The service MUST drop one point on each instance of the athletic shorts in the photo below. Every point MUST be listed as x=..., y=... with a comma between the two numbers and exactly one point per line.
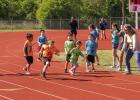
x=74, y=32
x=68, y=57
x=115, y=45
x=90, y=58
x=46, y=60
x=29, y=59
x=102, y=28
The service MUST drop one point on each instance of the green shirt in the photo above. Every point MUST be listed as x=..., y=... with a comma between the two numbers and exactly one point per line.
x=69, y=44
x=75, y=53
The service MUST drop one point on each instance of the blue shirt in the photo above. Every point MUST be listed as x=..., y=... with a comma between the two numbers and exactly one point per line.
x=91, y=47
x=94, y=34
x=42, y=40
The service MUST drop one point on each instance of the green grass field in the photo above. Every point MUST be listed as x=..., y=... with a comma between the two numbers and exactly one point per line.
x=105, y=57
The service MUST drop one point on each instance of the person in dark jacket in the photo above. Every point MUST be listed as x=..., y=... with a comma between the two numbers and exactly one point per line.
x=73, y=27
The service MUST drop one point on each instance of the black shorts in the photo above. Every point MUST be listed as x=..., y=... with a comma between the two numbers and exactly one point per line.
x=68, y=57
x=74, y=32
x=29, y=59
x=90, y=58
x=45, y=59
x=102, y=28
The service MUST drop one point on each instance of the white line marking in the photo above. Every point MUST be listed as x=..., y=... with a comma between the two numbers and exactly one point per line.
x=58, y=97
x=92, y=92
x=123, y=83
x=25, y=87
x=6, y=97
x=98, y=83
x=10, y=90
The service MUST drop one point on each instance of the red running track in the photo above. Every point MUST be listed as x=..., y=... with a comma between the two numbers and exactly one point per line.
x=100, y=85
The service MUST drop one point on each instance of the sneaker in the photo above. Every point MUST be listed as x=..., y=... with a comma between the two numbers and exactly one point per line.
x=27, y=73
x=119, y=69
x=71, y=72
x=43, y=74
x=65, y=71
x=113, y=66
x=128, y=73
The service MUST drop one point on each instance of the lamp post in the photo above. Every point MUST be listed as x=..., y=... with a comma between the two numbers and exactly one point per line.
x=123, y=15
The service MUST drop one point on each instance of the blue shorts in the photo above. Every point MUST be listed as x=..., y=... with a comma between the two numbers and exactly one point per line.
x=115, y=45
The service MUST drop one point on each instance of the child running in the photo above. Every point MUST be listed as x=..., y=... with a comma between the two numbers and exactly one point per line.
x=48, y=50
x=42, y=39
x=69, y=45
x=28, y=52
x=91, y=47
x=94, y=33
x=75, y=53
x=115, y=43
x=121, y=36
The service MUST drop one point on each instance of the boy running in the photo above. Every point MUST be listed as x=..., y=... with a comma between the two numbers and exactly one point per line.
x=69, y=44
x=28, y=52
x=42, y=39
x=48, y=50
x=75, y=53
x=91, y=47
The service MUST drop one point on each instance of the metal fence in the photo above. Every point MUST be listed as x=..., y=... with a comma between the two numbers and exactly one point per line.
x=58, y=23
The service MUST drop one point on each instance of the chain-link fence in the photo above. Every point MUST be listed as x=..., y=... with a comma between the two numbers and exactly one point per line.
x=59, y=23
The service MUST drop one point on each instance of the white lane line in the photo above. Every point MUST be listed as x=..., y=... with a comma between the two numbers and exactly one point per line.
x=132, y=90
x=25, y=87
x=11, y=89
x=7, y=98
x=71, y=87
x=123, y=83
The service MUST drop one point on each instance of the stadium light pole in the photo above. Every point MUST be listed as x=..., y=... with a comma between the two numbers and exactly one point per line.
x=123, y=15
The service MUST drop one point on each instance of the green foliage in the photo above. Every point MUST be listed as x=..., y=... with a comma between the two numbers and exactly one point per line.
x=45, y=9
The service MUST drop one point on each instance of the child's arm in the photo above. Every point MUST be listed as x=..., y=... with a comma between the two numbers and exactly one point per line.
x=25, y=49
x=56, y=51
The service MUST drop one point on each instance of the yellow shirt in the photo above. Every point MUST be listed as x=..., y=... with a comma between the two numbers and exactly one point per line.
x=28, y=48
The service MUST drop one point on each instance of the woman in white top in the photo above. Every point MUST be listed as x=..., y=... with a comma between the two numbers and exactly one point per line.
x=132, y=43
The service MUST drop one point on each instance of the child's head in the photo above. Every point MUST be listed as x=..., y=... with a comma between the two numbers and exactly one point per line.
x=73, y=18
x=78, y=44
x=91, y=27
x=114, y=26
x=70, y=37
x=90, y=37
x=42, y=32
x=29, y=36
x=51, y=43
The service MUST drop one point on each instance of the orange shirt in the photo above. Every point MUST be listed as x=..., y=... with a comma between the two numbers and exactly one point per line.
x=28, y=48
x=49, y=51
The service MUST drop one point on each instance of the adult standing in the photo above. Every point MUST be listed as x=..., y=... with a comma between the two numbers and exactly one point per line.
x=73, y=27
x=131, y=39
x=103, y=25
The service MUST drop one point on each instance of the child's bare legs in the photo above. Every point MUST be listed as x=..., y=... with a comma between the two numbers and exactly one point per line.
x=66, y=66
x=73, y=69
x=43, y=72
x=120, y=61
x=97, y=59
x=92, y=64
x=115, y=56
x=104, y=35
x=87, y=66
x=39, y=57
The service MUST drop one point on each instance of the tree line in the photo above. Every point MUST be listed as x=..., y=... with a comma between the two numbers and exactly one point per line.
x=54, y=9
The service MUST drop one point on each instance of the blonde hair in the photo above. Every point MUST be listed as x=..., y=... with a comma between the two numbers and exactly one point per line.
x=50, y=42
x=129, y=28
